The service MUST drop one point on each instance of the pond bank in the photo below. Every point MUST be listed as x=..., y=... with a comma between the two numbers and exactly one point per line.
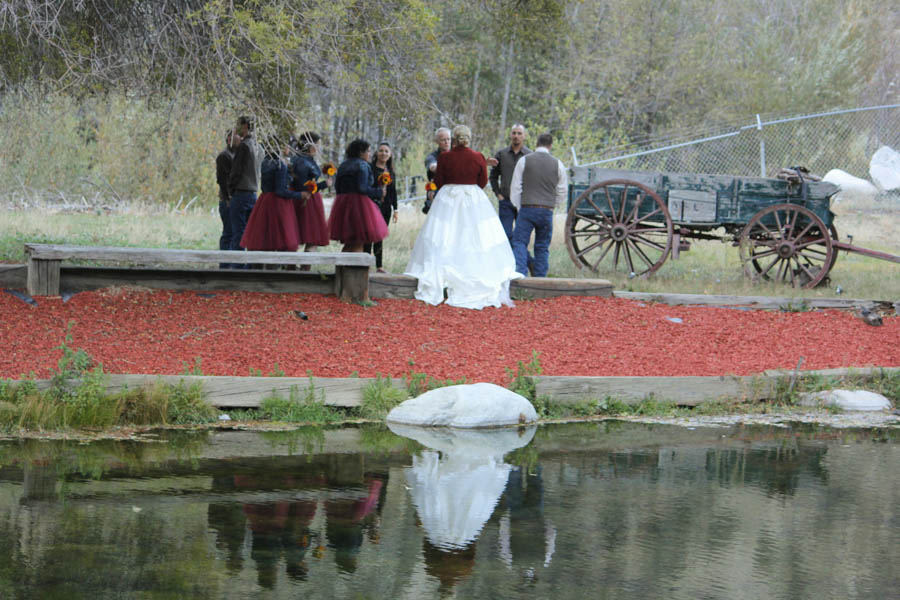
x=248, y=392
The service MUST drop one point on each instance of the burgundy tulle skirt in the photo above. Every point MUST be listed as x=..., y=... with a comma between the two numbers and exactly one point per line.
x=272, y=225
x=355, y=219
x=311, y=221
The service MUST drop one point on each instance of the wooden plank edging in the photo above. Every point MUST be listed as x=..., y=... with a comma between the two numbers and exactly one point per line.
x=247, y=392
x=684, y=390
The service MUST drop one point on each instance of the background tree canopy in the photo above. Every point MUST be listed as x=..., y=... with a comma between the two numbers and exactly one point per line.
x=594, y=72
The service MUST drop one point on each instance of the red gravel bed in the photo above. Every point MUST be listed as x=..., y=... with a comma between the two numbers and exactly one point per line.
x=164, y=332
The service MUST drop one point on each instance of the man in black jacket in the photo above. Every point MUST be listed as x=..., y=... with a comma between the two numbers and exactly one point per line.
x=244, y=180
x=223, y=173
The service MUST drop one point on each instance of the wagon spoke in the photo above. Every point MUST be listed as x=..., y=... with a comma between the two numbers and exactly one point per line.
x=646, y=217
x=624, y=201
x=778, y=223
x=602, y=255
x=591, y=247
x=805, y=229
x=628, y=255
x=781, y=270
x=588, y=233
x=789, y=223
x=771, y=264
x=809, y=273
x=590, y=219
x=641, y=253
x=612, y=211
x=597, y=208
x=757, y=255
x=616, y=254
x=656, y=245
x=632, y=216
x=806, y=245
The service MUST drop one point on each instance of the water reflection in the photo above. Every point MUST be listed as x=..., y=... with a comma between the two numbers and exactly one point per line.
x=455, y=486
x=346, y=495
x=622, y=510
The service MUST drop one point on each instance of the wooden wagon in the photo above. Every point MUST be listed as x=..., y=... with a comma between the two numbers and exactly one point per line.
x=632, y=221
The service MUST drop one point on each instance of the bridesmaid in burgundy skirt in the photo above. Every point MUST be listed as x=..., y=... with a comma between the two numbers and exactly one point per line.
x=310, y=211
x=273, y=224
x=355, y=220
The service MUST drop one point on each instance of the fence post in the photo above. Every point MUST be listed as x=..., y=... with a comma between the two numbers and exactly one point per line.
x=762, y=148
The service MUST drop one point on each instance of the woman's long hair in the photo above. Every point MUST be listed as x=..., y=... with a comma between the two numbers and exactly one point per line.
x=390, y=162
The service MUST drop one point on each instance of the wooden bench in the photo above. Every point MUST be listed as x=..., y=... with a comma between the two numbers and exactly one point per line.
x=351, y=281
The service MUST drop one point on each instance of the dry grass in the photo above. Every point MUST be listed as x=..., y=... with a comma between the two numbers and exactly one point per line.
x=710, y=267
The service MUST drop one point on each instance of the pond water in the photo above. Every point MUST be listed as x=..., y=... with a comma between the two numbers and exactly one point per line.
x=604, y=510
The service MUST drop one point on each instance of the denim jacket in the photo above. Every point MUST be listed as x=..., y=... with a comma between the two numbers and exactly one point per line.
x=275, y=179
x=303, y=169
x=355, y=176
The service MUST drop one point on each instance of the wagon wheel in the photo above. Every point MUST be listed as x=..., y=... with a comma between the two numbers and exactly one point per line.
x=637, y=238
x=787, y=243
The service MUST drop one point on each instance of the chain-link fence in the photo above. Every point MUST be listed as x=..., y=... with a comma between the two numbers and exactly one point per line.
x=844, y=139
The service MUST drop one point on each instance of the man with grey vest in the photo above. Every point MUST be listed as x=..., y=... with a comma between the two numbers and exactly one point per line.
x=244, y=180
x=539, y=183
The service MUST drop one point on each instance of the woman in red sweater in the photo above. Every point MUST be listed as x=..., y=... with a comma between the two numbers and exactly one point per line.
x=462, y=246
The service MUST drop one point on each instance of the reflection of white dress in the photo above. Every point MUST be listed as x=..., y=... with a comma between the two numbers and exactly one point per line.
x=456, y=489
x=462, y=247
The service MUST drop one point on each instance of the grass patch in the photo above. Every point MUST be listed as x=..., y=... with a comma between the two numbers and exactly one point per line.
x=379, y=397
x=307, y=406
x=76, y=397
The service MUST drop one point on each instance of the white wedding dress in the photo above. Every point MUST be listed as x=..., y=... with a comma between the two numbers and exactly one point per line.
x=462, y=247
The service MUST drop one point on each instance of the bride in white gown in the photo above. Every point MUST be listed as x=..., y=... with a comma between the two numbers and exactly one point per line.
x=462, y=246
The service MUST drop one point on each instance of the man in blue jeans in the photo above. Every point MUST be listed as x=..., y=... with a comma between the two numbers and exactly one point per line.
x=502, y=165
x=539, y=183
x=244, y=181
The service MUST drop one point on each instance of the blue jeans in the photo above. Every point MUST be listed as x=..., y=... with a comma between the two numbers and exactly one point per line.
x=239, y=213
x=225, y=238
x=541, y=221
x=507, y=213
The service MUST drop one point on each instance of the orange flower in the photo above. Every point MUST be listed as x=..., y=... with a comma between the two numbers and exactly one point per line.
x=385, y=178
x=311, y=186
x=329, y=170
x=430, y=186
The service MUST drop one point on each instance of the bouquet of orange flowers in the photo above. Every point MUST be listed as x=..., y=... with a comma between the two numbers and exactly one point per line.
x=385, y=178
x=311, y=187
x=430, y=186
x=329, y=170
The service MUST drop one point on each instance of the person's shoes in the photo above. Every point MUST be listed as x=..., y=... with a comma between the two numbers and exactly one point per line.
x=380, y=270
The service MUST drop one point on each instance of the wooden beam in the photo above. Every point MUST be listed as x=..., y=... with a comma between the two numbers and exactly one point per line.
x=249, y=392
x=170, y=255
x=684, y=391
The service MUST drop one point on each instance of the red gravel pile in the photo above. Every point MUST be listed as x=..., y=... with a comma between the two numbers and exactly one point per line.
x=164, y=332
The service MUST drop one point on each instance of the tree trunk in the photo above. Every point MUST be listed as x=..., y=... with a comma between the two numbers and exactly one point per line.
x=506, y=85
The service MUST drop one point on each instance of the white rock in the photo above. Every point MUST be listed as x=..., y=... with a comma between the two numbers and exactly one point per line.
x=850, y=186
x=847, y=400
x=472, y=405
x=884, y=168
